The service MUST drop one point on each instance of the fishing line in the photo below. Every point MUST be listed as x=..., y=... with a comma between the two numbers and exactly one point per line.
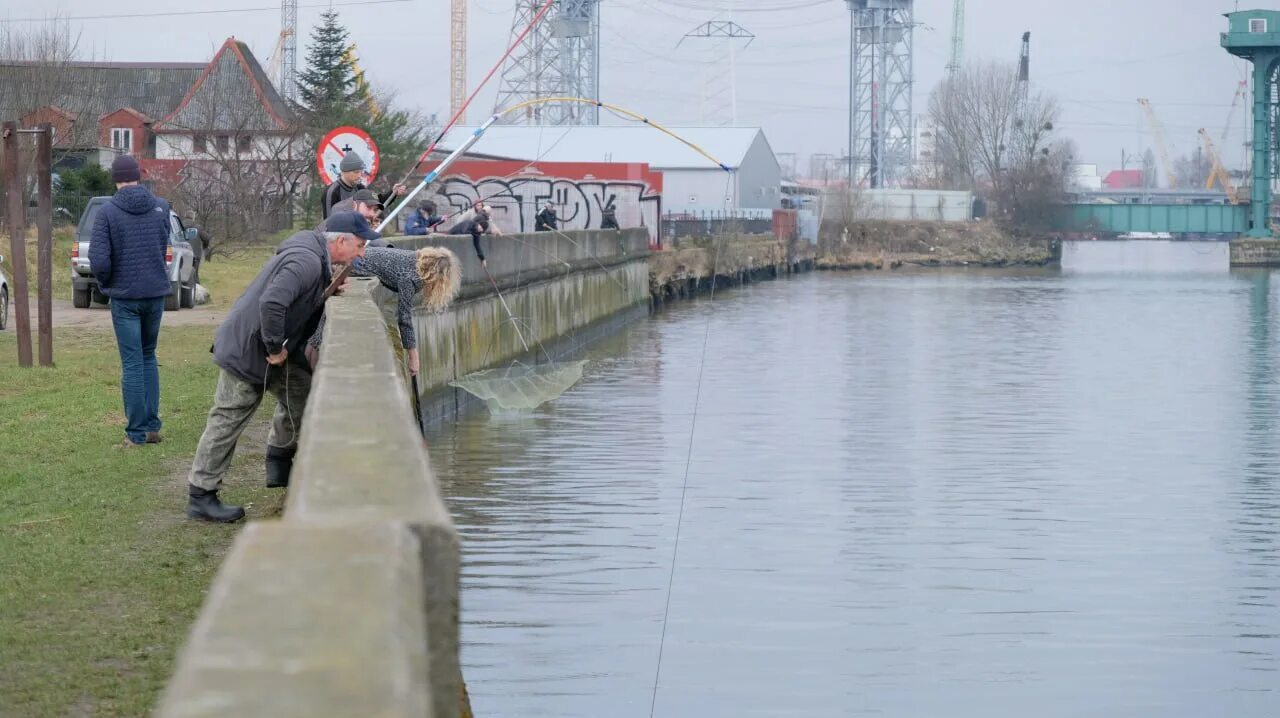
x=546, y=6
x=688, y=460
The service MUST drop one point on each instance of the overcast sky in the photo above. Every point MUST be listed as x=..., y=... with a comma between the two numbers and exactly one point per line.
x=1096, y=56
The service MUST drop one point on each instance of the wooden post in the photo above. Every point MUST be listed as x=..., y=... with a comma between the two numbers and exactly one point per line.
x=44, y=246
x=17, y=242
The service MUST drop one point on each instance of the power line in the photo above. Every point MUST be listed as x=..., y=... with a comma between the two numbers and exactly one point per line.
x=181, y=13
x=736, y=9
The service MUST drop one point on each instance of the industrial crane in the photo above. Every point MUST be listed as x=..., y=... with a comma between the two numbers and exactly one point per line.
x=457, y=57
x=957, y=38
x=1218, y=172
x=1158, y=130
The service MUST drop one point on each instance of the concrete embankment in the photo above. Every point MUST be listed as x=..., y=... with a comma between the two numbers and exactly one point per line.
x=349, y=604
x=685, y=270
x=876, y=244
x=565, y=289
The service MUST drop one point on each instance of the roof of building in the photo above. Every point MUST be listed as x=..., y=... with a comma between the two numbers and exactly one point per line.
x=1123, y=179
x=602, y=143
x=87, y=91
x=178, y=92
x=233, y=93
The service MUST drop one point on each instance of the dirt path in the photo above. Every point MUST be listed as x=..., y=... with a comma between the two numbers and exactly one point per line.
x=99, y=316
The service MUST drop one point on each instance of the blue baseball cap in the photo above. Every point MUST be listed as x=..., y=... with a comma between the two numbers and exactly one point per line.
x=351, y=223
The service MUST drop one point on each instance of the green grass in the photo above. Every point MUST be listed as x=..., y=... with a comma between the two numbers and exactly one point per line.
x=102, y=574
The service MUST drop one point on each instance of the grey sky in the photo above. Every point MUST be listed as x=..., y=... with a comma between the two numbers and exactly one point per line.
x=1096, y=56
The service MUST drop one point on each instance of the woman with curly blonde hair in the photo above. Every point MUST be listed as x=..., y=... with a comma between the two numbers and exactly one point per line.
x=430, y=277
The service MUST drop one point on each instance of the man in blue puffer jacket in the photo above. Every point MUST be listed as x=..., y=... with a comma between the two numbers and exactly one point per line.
x=127, y=257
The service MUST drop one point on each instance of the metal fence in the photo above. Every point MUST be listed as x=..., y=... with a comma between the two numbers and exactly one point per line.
x=712, y=224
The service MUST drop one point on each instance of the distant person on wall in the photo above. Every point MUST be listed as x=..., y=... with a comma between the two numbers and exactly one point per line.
x=259, y=348
x=477, y=210
x=424, y=220
x=545, y=221
x=474, y=227
x=609, y=218
x=348, y=183
x=127, y=258
x=429, y=277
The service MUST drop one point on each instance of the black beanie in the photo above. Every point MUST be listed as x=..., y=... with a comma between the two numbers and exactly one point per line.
x=125, y=169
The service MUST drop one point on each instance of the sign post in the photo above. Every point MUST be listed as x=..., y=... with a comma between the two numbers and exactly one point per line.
x=335, y=145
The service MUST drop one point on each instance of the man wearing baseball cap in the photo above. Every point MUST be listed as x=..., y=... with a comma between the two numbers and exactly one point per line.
x=258, y=348
x=364, y=203
x=349, y=182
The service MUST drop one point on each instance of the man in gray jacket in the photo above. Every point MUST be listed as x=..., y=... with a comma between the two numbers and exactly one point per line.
x=259, y=346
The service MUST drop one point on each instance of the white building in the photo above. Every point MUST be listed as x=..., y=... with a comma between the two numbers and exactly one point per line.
x=691, y=183
x=1085, y=177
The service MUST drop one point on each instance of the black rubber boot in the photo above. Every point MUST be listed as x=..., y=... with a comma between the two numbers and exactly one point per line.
x=205, y=505
x=279, y=464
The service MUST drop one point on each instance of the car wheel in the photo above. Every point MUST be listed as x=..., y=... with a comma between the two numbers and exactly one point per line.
x=173, y=299
x=80, y=297
x=4, y=308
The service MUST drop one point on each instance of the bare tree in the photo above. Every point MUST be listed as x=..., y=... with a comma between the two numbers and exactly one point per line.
x=998, y=138
x=1192, y=170
x=240, y=166
x=38, y=57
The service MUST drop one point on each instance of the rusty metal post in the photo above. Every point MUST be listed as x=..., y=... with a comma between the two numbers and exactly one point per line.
x=44, y=246
x=17, y=242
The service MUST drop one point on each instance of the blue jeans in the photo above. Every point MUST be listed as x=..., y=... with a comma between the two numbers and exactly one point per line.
x=137, y=325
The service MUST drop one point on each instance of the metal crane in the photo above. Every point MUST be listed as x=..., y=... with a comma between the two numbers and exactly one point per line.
x=457, y=57
x=1158, y=130
x=957, y=38
x=1218, y=172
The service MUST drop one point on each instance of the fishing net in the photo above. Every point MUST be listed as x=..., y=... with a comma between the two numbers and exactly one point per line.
x=521, y=387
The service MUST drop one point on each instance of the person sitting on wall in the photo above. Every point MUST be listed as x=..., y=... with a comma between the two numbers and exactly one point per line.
x=545, y=221
x=429, y=277
x=424, y=220
x=348, y=183
x=255, y=349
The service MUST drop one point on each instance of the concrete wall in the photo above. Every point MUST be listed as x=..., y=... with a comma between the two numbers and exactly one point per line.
x=349, y=604
x=564, y=288
x=1255, y=253
x=928, y=205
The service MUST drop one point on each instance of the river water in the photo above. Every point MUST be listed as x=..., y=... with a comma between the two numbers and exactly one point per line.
x=945, y=493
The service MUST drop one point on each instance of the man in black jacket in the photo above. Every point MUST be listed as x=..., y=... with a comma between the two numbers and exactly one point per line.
x=545, y=221
x=349, y=182
x=259, y=347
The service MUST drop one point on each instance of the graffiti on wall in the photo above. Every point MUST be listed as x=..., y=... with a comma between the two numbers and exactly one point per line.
x=580, y=192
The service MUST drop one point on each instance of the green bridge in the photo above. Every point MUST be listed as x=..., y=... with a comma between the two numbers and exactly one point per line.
x=1173, y=218
x=1252, y=35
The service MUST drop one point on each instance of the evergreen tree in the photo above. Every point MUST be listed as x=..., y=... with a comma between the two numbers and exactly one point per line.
x=327, y=87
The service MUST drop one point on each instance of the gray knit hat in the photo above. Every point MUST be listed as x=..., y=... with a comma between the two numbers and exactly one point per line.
x=351, y=162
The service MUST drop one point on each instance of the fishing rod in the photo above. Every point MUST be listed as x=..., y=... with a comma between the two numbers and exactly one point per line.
x=546, y=7
x=471, y=141
x=493, y=119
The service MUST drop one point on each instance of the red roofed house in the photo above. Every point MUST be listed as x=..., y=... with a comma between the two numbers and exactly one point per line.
x=166, y=114
x=1124, y=179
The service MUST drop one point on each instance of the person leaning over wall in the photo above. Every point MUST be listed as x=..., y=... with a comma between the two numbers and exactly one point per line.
x=429, y=277
x=255, y=348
